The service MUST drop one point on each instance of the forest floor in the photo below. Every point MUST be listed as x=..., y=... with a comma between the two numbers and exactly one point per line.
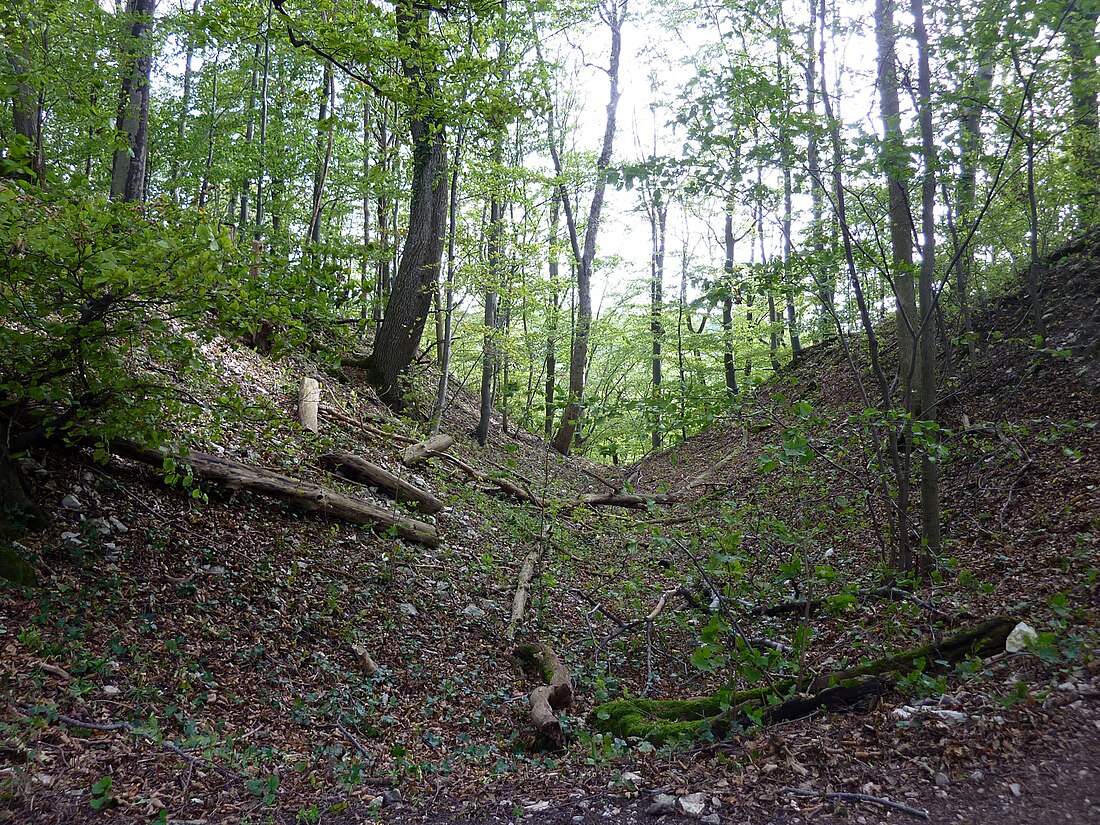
x=197, y=661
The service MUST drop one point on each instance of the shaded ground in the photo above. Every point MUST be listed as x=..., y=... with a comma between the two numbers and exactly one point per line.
x=227, y=634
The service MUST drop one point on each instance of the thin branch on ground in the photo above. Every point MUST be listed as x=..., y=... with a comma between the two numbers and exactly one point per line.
x=860, y=797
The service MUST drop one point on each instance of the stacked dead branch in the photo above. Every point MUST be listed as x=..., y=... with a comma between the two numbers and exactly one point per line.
x=360, y=470
x=304, y=495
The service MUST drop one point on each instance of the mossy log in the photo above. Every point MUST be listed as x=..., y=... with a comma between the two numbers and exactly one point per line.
x=723, y=713
x=305, y=495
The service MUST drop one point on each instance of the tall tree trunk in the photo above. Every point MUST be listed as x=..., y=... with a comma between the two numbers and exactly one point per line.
x=128, y=168
x=211, y=130
x=382, y=268
x=489, y=344
x=447, y=292
x=325, y=130
x=410, y=301
x=930, y=500
x=612, y=13
x=25, y=100
x=1081, y=43
x=728, y=337
x=364, y=266
x=658, y=223
x=824, y=278
x=970, y=147
x=185, y=103
x=249, y=129
x=490, y=355
x=553, y=313
x=893, y=159
x=897, y=501
x=262, y=171
x=788, y=210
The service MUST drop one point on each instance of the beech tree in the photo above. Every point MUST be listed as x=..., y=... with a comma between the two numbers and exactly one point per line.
x=128, y=168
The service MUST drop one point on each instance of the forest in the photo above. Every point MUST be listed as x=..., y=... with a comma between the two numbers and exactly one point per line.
x=610, y=410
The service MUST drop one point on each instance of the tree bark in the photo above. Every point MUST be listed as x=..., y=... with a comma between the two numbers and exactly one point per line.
x=410, y=302
x=26, y=111
x=658, y=222
x=612, y=12
x=930, y=496
x=893, y=157
x=128, y=167
x=728, y=330
x=1081, y=43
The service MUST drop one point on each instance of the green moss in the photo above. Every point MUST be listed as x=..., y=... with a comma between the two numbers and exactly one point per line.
x=663, y=721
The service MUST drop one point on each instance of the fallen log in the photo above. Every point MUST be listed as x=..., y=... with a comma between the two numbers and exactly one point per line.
x=723, y=713
x=523, y=591
x=556, y=694
x=305, y=495
x=365, y=472
x=423, y=450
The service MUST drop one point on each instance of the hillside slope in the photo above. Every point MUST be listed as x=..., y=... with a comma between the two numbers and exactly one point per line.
x=232, y=660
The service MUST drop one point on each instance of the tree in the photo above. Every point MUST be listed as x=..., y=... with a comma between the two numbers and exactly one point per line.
x=128, y=168
x=613, y=14
x=1084, y=148
x=894, y=158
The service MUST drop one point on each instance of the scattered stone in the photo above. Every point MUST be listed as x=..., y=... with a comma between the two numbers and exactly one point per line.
x=977, y=775
x=1017, y=791
x=631, y=778
x=692, y=804
x=535, y=807
x=472, y=611
x=44, y=779
x=907, y=712
x=71, y=502
x=1068, y=687
x=112, y=690
x=391, y=796
x=662, y=804
x=407, y=609
x=375, y=802
x=942, y=780
x=72, y=538
x=1022, y=637
x=117, y=525
x=712, y=819
x=367, y=665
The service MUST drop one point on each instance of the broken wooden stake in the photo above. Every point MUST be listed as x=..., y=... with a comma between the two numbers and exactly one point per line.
x=309, y=399
x=422, y=451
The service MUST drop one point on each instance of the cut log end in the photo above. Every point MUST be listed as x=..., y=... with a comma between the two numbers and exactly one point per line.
x=309, y=400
